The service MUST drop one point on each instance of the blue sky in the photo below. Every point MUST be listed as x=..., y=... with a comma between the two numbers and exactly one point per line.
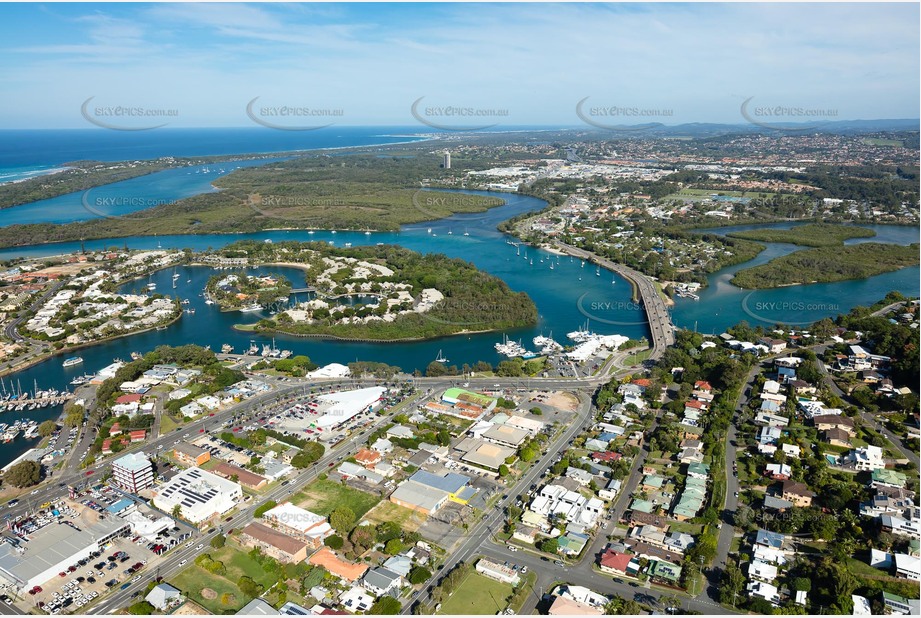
x=371, y=61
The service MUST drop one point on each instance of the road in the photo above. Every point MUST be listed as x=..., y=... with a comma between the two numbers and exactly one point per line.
x=867, y=417
x=731, y=502
x=11, y=331
x=174, y=562
x=489, y=525
x=661, y=328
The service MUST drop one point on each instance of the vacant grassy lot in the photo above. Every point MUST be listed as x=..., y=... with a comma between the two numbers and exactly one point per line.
x=878, y=141
x=324, y=496
x=407, y=519
x=195, y=579
x=478, y=595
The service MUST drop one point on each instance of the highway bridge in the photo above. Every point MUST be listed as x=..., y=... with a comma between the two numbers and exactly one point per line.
x=660, y=323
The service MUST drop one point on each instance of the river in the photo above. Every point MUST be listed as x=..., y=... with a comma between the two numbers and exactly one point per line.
x=566, y=295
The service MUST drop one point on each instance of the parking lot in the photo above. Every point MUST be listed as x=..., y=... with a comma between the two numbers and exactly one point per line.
x=115, y=564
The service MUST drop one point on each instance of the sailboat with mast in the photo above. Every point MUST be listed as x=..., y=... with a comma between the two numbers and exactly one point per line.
x=440, y=358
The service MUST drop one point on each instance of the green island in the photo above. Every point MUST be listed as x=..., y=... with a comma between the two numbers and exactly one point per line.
x=828, y=264
x=809, y=235
x=382, y=292
x=348, y=192
x=238, y=290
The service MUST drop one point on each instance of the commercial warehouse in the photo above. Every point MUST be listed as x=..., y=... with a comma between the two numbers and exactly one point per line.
x=54, y=548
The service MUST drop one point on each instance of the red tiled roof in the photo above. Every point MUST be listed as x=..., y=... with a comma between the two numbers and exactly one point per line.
x=703, y=385
x=128, y=398
x=615, y=560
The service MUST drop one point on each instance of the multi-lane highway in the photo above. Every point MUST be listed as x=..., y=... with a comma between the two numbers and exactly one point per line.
x=660, y=323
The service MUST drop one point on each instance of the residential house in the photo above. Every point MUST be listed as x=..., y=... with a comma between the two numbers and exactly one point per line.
x=617, y=563
x=797, y=493
x=380, y=581
x=866, y=458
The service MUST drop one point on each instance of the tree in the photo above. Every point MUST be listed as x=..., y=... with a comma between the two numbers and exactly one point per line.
x=310, y=453
x=503, y=470
x=732, y=583
x=141, y=608
x=385, y=606
x=218, y=541
x=549, y=546
x=24, y=474
x=249, y=587
x=47, y=428
x=334, y=541
x=388, y=530
x=363, y=538
x=177, y=511
x=393, y=547
x=342, y=519
x=419, y=575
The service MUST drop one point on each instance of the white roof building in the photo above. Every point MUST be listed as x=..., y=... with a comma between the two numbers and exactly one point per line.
x=867, y=458
x=200, y=495
x=861, y=606
x=304, y=523
x=763, y=571
x=346, y=404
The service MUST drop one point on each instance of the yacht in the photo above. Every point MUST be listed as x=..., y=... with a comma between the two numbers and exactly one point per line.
x=151, y=286
x=466, y=233
x=582, y=334
x=73, y=360
x=208, y=301
x=546, y=344
x=226, y=348
x=251, y=308
x=440, y=358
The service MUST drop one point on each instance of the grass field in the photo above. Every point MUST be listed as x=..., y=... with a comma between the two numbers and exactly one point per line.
x=324, y=496
x=694, y=193
x=194, y=579
x=478, y=595
x=167, y=424
x=877, y=141
x=407, y=519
